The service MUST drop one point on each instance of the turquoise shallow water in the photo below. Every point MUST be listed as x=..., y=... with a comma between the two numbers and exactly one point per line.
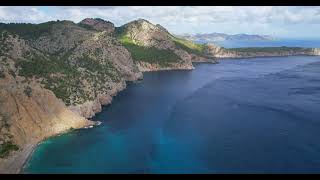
x=252, y=115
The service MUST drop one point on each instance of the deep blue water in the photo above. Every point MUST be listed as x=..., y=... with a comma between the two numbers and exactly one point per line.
x=257, y=115
x=311, y=43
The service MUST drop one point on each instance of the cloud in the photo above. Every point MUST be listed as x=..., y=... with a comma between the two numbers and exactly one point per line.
x=22, y=14
x=183, y=19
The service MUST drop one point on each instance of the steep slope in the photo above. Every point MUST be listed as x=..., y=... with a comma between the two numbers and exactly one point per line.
x=78, y=64
x=54, y=74
x=154, y=48
x=28, y=115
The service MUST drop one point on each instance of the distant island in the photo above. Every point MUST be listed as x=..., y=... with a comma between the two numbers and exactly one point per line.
x=226, y=37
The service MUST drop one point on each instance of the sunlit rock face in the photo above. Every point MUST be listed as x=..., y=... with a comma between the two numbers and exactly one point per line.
x=29, y=114
x=98, y=24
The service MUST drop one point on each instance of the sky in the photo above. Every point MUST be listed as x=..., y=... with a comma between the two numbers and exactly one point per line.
x=280, y=21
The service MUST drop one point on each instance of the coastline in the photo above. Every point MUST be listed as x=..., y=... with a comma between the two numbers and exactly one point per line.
x=27, y=153
x=16, y=163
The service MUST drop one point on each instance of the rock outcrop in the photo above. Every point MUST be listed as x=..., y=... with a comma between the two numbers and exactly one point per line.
x=98, y=24
x=30, y=114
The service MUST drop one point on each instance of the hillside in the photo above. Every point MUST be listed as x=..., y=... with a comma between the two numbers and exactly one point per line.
x=53, y=75
x=152, y=46
x=79, y=66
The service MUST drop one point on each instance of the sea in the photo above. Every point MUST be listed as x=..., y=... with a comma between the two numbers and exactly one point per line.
x=257, y=115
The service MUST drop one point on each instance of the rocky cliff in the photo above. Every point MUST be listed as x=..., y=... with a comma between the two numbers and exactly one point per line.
x=29, y=114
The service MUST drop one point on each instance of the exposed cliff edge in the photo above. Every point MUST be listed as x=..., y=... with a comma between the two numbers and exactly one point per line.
x=30, y=114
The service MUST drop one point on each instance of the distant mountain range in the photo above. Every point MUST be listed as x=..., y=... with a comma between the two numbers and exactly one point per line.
x=224, y=37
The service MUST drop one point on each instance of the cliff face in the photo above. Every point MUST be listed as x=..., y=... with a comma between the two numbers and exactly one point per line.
x=98, y=24
x=29, y=114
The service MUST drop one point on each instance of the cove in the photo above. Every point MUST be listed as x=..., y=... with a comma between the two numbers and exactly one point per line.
x=258, y=115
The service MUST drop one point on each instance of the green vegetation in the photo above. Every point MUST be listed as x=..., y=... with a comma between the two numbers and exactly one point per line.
x=2, y=75
x=4, y=46
x=268, y=49
x=63, y=78
x=41, y=67
x=93, y=65
x=12, y=73
x=28, y=91
x=27, y=30
x=6, y=148
x=188, y=46
x=148, y=54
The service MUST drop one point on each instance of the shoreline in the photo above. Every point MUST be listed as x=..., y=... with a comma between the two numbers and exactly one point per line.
x=28, y=157
x=35, y=145
x=18, y=161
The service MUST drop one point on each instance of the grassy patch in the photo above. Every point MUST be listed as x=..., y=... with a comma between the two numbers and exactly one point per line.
x=148, y=54
x=64, y=79
x=188, y=46
x=41, y=67
x=6, y=148
x=26, y=30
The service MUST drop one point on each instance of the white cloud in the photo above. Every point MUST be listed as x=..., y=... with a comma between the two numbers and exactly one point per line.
x=282, y=21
